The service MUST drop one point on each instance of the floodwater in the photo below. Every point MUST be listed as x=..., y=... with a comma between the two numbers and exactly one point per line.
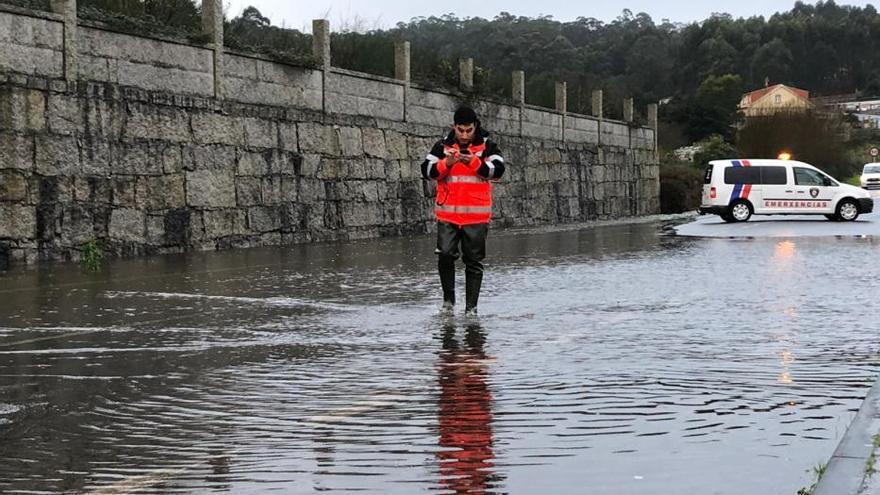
x=608, y=360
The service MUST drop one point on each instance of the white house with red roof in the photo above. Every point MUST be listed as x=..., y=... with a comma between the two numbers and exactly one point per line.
x=772, y=99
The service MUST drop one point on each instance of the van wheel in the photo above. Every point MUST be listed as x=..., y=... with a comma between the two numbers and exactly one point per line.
x=833, y=218
x=741, y=211
x=847, y=210
x=727, y=218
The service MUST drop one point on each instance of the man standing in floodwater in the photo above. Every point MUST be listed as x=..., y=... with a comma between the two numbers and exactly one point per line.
x=463, y=164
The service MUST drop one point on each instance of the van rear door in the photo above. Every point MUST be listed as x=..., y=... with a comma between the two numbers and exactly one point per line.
x=707, y=186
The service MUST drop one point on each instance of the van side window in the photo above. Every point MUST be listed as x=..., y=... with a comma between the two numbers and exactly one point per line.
x=742, y=175
x=808, y=177
x=773, y=175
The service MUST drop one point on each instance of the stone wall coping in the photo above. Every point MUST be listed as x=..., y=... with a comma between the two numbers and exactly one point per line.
x=102, y=26
x=38, y=14
x=367, y=76
x=538, y=108
x=263, y=58
x=454, y=93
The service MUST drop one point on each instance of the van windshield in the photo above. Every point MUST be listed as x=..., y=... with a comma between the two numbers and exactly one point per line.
x=871, y=169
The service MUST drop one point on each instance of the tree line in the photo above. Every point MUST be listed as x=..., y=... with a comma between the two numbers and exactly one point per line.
x=701, y=69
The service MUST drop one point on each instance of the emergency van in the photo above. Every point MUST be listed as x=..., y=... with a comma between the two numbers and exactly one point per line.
x=737, y=189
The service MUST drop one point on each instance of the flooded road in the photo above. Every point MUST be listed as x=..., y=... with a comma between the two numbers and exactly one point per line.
x=611, y=360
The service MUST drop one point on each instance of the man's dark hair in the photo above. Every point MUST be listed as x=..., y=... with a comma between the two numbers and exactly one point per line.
x=464, y=116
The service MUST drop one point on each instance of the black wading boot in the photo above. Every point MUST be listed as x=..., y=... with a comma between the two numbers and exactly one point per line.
x=446, y=267
x=472, y=284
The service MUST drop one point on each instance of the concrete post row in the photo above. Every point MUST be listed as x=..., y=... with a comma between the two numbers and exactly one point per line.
x=212, y=25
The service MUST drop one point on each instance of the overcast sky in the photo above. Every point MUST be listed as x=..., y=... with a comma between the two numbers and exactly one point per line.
x=386, y=13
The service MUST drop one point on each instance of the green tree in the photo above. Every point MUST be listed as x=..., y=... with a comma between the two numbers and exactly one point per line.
x=251, y=31
x=811, y=137
x=713, y=148
x=773, y=61
x=714, y=108
x=253, y=17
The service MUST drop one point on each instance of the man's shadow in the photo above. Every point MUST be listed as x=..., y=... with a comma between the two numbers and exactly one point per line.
x=465, y=411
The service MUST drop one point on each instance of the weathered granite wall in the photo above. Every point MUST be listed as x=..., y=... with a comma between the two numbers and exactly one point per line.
x=138, y=154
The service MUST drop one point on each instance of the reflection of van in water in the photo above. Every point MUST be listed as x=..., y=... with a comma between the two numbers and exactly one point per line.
x=736, y=189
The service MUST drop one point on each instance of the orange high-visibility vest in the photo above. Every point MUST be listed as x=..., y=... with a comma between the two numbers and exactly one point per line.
x=463, y=197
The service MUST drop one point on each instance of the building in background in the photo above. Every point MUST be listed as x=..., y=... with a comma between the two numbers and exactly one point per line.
x=772, y=99
x=866, y=111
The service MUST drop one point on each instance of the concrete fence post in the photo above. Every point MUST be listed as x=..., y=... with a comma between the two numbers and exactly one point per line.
x=628, y=109
x=518, y=86
x=321, y=51
x=212, y=25
x=598, y=112
x=561, y=96
x=597, y=103
x=402, y=70
x=562, y=103
x=652, y=116
x=466, y=74
x=67, y=9
x=321, y=42
x=402, y=61
x=653, y=123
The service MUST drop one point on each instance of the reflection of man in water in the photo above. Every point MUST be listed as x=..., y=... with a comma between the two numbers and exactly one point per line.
x=465, y=414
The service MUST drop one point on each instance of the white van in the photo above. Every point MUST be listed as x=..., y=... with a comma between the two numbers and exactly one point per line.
x=737, y=189
x=870, y=178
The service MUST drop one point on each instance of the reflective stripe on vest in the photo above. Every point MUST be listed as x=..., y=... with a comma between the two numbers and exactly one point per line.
x=463, y=209
x=473, y=179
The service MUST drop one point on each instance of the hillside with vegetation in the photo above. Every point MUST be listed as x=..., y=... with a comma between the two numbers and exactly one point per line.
x=698, y=71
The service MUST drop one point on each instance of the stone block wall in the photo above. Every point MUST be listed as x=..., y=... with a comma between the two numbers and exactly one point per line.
x=32, y=45
x=351, y=93
x=145, y=63
x=138, y=154
x=254, y=80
